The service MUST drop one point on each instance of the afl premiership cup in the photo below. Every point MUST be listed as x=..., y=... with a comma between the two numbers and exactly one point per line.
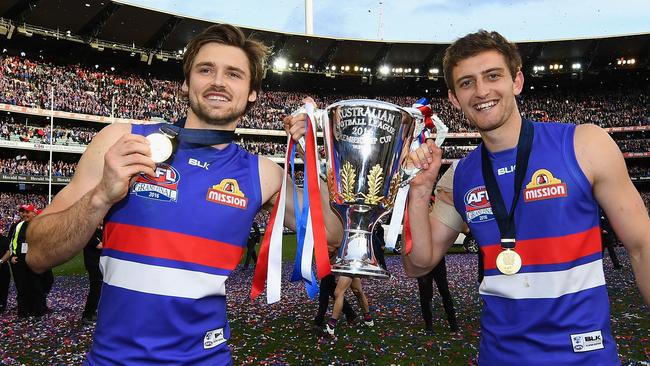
x=366, y=143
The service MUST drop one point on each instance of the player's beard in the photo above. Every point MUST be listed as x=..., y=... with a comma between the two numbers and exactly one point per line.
x=216, y=117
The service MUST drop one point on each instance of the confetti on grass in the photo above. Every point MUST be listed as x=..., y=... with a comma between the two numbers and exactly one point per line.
x=282, y=333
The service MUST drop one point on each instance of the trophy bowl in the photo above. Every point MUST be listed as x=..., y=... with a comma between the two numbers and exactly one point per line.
x=366, y=142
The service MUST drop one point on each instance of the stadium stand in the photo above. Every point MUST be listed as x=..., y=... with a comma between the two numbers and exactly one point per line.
x=80, y=89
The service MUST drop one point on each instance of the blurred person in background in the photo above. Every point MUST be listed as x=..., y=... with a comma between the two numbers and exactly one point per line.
x=31, y=287
x=251, y=243
x=92, y=252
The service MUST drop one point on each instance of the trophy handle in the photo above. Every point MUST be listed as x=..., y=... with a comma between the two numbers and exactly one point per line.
x=421, y=129
x=318, y=117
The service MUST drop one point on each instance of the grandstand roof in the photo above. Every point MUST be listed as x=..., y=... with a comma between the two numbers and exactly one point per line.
x=130, y=26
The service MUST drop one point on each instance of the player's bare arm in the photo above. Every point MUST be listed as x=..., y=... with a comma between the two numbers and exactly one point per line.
x=431, y=238
x=102, y=178
x=603, y=164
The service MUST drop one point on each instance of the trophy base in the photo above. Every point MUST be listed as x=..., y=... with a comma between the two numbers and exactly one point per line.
x=358, y=268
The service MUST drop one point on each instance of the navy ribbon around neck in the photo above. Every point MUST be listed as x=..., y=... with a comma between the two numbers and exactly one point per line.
x=505, y=220
x=197, y=135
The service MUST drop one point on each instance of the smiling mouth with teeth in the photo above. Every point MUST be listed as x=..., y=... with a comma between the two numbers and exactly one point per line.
x=486, y=105
x=216, y=97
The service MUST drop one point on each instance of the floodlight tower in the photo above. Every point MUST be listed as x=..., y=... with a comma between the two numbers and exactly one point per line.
x=380, y=31
x=309, y=17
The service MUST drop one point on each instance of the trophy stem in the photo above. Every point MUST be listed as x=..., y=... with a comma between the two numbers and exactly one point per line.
x=356, y=254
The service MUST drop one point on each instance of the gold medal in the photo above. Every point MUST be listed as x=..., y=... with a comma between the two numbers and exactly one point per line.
x=161, y=147
x=508, y=262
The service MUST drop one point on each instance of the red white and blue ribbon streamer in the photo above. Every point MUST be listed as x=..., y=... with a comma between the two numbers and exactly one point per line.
x=316, y=223
x=431, y=123
x=408, y=241
x=269, y=261
x=310, y=227
x=302, y=269
x=302, y=218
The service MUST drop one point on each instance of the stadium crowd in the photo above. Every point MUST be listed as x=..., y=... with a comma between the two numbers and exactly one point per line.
x=9, y=130
x=9, y=203
x=84, y=89
x=83, y=136
x=641, y=145
x=20, y=165
x=638, y=171
x=605, y=109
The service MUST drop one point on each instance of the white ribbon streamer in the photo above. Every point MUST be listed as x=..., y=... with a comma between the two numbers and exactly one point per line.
x=274, y=270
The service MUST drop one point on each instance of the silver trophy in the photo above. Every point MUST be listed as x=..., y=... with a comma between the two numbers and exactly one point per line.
x=366, y=143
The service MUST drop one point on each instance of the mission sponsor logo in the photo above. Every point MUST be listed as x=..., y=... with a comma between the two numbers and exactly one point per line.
x=543, y=186
x=227, y=193
x=477, y=205
x=163, y=186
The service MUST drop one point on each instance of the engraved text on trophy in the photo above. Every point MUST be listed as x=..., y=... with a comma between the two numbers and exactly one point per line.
x=358, y=123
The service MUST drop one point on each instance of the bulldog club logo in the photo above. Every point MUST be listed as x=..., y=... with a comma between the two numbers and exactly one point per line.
x=477, y=205
x=578, y=343
x=227, y=193
x=163, y=186
x=543, y=185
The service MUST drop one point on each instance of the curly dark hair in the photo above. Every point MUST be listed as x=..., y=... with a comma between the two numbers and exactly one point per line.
x=475, y=43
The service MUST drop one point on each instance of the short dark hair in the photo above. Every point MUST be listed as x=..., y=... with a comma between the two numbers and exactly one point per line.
x=475, y=43
x=229, y=35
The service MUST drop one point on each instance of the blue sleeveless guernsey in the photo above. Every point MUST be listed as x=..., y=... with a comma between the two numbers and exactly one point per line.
x=169, y=246
x=555, y=310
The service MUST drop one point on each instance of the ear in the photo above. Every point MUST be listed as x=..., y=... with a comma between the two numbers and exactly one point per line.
x=453, y=99
x=518, y=84
x=252, y=96
x=185, y=90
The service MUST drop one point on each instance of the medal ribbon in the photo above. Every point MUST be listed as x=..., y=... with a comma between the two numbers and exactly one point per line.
x=505, y=220
x=269, y=261
x=198, y=136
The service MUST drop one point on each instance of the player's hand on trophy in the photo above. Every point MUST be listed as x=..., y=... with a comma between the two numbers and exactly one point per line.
x=295, y=125
x=428, y=158
x=127, y=158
